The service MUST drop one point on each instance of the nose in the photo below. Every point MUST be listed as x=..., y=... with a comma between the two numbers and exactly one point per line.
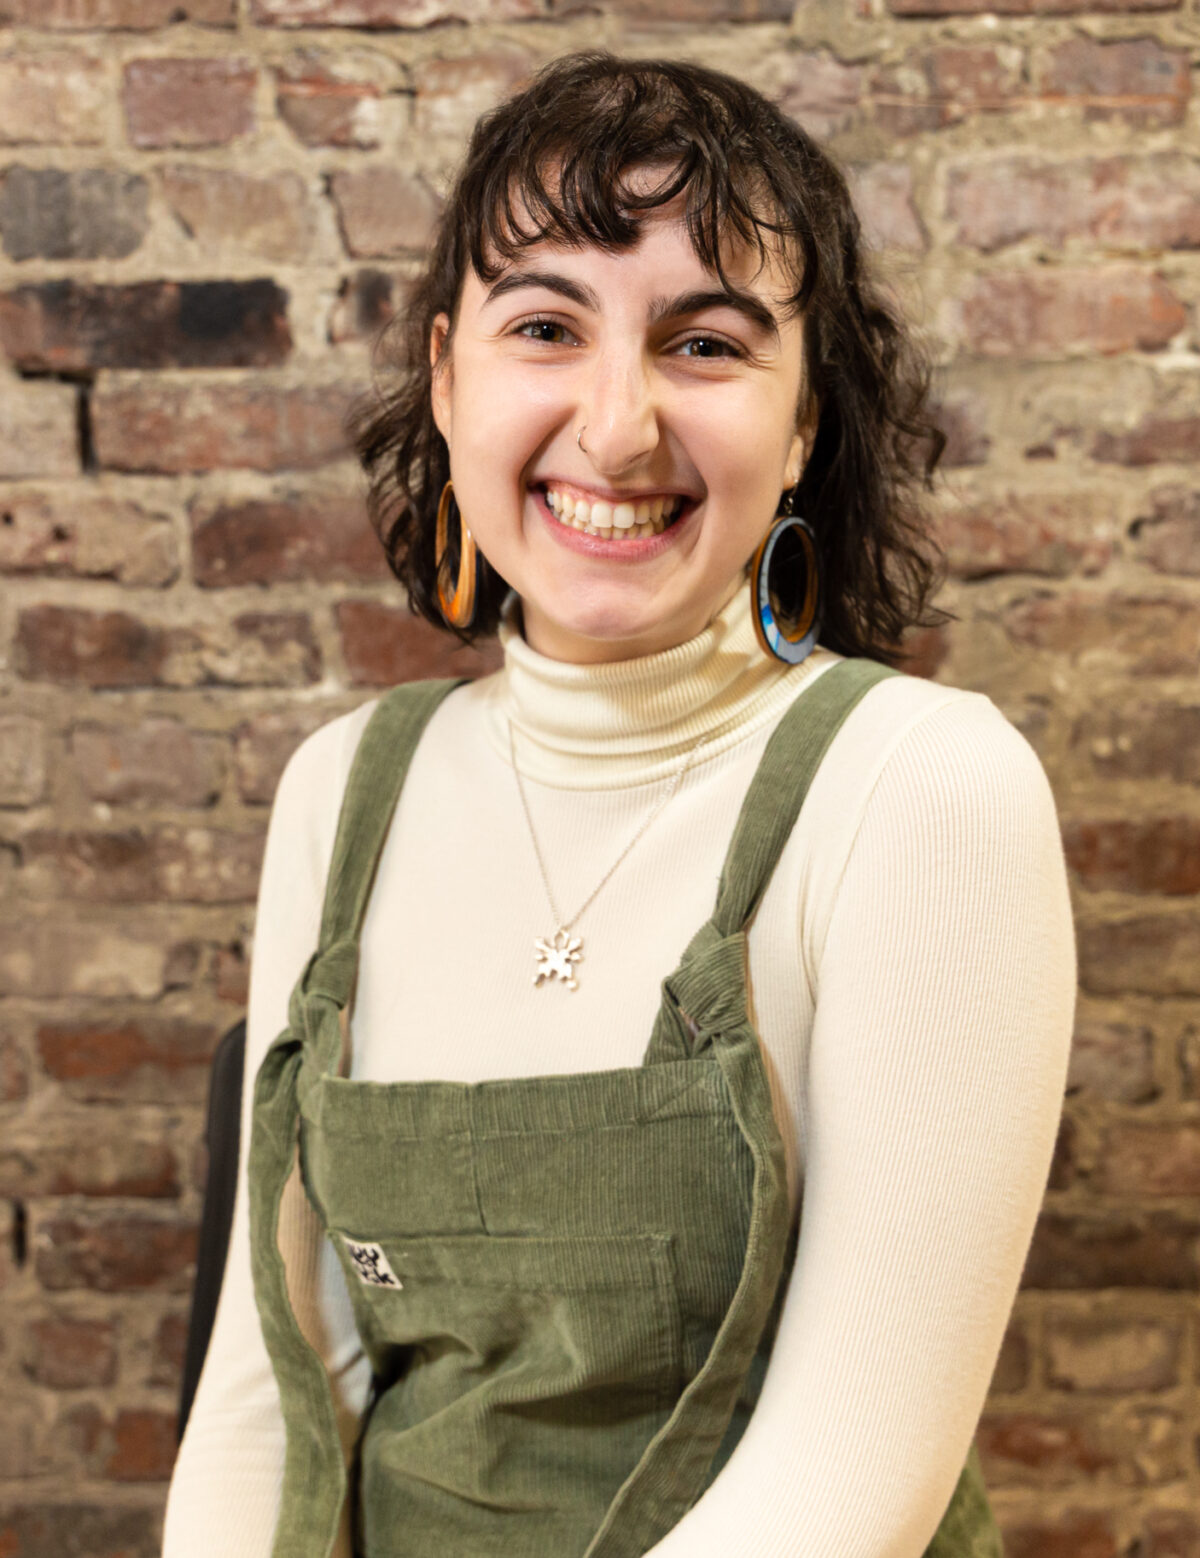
x=619, y=412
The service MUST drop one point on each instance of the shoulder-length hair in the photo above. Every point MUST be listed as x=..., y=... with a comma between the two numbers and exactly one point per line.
x=589, y=118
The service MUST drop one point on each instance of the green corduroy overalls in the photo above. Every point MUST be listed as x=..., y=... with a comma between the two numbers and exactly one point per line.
x=567, y=1286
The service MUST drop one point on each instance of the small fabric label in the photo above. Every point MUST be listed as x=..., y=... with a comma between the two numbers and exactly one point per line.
x=371, y=1264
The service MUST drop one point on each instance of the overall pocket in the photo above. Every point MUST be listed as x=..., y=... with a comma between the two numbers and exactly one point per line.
x=522, y=1379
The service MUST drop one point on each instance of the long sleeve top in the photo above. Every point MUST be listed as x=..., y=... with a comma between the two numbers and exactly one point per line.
x=912, y=979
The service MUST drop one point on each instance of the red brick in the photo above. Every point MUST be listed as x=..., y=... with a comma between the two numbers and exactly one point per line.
x=263, y=744
x=138, y=1059
x=1135, y=79
x=1114, y=1061
x=269, y=217
x=172, y=428
x=105, y=1160
x=1051, y=533
x=1013, y=1365
x=655, y=12
x=1108, y=309
x=231, y=974
x=383, y=210
x=55, y=956
x=1023, y=7
x=1151, y=634
x=135, y=865
x=72, y=214
x=158, y=761
x=453, y=92
x=1155, y=437
x=1168, y=538
x=1134, y=202
x=52, y=99
x=883, y=198
x=117, y=649
x=943, y=86
x=29, y=1530
x=66, y=534
x=64, y=1352
x=962, y=416
x=324, y=102
x=1129, y=1445
x=14, y=1074
x=1083, y=1252
x=1070, y=1535
x=322, y=539
x=1144, y=741
x=819, y=91
x=39, y=433
x=1169, y=1533
x=1149, y=954
x=113, y=1254
x=383, y=645
x=1112, y=1354
x=144, y=1447
x=1188, y=1050
x=170, y=1346
x=22, y=760
x=125, y=15
x=58, y=326
x=188, y=102
x=1162, y=1159
x=366, y=303
x=1135, y=854
x=389, y=13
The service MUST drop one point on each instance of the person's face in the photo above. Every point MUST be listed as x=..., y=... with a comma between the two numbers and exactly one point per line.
x=676, y=397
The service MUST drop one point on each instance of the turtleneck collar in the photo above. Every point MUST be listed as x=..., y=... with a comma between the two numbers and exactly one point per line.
x=628, y=722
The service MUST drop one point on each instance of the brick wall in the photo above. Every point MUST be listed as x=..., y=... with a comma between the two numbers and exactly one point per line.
x=206, y=208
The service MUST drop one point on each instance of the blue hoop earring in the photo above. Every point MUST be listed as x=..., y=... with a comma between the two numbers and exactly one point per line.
x=787, y=634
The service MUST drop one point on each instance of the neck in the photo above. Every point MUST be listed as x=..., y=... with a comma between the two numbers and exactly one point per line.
x=632, y=721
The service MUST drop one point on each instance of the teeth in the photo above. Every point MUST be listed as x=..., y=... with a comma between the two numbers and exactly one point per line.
x=648, y=517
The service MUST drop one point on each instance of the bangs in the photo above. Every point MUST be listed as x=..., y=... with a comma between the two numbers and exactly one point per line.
x=578, y=178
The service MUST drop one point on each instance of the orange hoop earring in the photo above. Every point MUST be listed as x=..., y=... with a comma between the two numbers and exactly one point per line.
x=459, y=610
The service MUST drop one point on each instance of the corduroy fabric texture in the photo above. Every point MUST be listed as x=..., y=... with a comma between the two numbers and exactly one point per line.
x=567, y=1286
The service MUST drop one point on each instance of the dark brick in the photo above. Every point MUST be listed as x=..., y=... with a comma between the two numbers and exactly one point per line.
x=270, y=542
x=366, y=303
x=64, y=1352
x=156, y=761
x=136, y=865
x=1147, y=741
x=114, y=1162
x=143, y=1447
x=1135, y=854
x=1086, y=1251
x=1168, y=537
x=85, y=214
x=138, y=1059
x=1060, y=1536
x=1147, y=954
x=384, y=644
x=115, y=1254
x=61, y=326
x=29, y=1530
x=1156, y=437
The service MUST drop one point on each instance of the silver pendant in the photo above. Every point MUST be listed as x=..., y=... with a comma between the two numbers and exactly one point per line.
x=555, y=957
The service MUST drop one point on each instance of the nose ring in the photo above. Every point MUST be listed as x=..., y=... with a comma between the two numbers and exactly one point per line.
x=579, y=439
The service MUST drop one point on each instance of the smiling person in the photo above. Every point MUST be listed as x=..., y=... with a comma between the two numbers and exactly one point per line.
x=674, y=1023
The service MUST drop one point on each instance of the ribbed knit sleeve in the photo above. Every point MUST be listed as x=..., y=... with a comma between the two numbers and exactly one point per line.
x=945, y=1000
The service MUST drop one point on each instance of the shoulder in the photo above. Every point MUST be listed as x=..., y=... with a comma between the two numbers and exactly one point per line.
x=919, y=777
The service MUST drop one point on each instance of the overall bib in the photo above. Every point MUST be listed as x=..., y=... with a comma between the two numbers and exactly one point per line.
x=567, y=1286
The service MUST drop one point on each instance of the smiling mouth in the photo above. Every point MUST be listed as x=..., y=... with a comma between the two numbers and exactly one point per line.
x=615, y=521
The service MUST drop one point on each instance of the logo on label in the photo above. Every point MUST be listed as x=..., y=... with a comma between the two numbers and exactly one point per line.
x=371, y=1264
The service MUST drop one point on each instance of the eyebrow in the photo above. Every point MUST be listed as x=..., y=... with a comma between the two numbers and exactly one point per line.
x=746, y=303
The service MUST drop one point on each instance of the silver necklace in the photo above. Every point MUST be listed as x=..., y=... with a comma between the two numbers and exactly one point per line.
x=558, y=954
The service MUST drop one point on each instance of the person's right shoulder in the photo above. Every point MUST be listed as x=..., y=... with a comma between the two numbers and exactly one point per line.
x=309, y=792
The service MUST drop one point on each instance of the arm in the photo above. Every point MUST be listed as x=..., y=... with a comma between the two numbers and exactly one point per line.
x=224, y=1493
x=945, y=1001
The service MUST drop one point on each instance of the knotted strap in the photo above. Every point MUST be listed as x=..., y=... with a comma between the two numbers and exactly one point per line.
x=704, y=1006
x=314, y=1479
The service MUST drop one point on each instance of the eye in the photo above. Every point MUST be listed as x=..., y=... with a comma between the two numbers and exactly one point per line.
x=540, y=324
x=724, y=348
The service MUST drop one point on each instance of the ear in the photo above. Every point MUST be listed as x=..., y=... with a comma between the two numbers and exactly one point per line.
x=801, y=445
x=439, y=362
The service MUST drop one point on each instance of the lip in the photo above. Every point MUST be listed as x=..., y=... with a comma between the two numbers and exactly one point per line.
x=607, y=494
x=633, y=551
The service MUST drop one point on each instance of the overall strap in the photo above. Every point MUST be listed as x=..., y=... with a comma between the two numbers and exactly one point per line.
x=377, y=775
x=314, y=1479
x=781, y=784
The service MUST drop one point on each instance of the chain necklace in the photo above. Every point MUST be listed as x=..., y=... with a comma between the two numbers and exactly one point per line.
x=557, y=954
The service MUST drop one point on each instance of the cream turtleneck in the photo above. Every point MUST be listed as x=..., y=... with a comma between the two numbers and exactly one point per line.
x=912, y=974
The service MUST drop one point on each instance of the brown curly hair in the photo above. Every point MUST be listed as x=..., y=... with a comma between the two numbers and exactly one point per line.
x=747, y=169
